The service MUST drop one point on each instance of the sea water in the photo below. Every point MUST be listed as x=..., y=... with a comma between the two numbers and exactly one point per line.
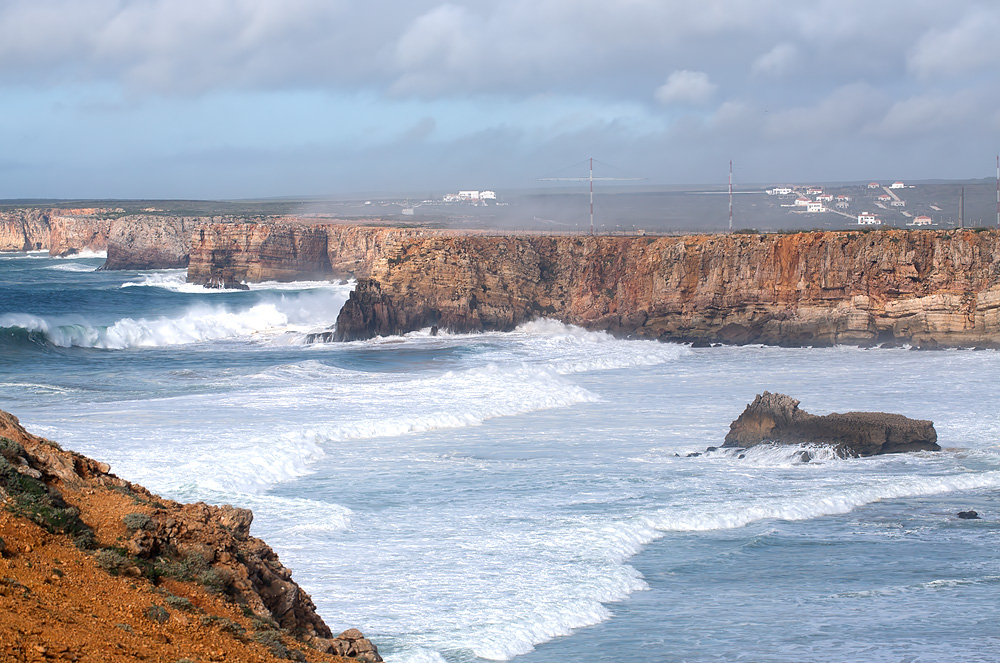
x=529, y=495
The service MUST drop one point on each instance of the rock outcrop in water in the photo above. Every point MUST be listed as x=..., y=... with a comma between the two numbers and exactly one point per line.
x=777, y=419
x=99, y=568
x=926, y=288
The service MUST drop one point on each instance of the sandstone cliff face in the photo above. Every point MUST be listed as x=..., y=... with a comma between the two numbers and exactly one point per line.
x=924, y=287
x=69, y=234
x=151, y=242
x=231, y=253
x=24, y=230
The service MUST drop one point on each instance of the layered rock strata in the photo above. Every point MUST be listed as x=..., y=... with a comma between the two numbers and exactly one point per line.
x=151, y=242
x=777, y=419
x=133, y=533
x=224, y=255
x=24, y=230
x=820, y=288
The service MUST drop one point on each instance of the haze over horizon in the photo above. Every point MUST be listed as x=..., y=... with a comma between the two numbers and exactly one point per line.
x=251, y=99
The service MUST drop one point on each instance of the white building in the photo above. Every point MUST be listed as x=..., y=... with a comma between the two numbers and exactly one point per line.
x=842, y=204
x=802, y=202
x=815, y=207
x=897, y=185
x=922, y=220
x=487, y=195
x=868, y=219
x=468, y=195
x=898, y=203
x=825, y=198
x=779, y=191
x=873, y=185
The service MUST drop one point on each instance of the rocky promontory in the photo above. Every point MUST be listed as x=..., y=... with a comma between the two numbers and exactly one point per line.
x=93, y=567
x=777, y=419
x=926, y=288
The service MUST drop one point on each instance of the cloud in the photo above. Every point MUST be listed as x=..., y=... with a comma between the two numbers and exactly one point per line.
x=686, y=87
x=776, y=62
x=969, y=45
x=851, y=109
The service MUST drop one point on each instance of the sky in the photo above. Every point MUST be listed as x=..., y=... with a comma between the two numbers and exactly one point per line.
x=220, y=99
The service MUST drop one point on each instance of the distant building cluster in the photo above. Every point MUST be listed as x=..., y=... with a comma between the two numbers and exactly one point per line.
x=469, y=196
x=812, y=199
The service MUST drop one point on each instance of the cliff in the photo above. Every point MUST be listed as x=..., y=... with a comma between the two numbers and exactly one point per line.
x=819, y=288
x=232, y=253
x=96, y=568
x=24, y=230
x=69, y=234
x=151, y=242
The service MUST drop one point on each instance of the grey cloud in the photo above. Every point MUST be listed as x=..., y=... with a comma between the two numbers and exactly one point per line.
x=969, y=45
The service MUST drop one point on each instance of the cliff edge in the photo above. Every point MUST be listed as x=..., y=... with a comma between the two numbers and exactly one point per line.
x=93, y=567
x=926, y=288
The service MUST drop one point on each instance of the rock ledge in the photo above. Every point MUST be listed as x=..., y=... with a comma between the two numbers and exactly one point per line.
x=776, y=418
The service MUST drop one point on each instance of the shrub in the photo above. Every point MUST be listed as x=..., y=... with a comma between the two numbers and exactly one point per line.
x=179, y=603
x=137, y=521
x=157, y=613
x=113, y=560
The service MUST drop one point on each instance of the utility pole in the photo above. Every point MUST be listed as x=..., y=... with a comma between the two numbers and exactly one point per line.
x=730, y=195
x=591, y=179
x=961, y=209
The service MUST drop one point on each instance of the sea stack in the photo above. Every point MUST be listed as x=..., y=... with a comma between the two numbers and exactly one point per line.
x=776, y=418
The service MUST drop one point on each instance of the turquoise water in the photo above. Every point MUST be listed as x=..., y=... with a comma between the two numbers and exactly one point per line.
x=528, y=495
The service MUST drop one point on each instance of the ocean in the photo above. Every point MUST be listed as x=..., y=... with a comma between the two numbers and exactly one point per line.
x=529, y=495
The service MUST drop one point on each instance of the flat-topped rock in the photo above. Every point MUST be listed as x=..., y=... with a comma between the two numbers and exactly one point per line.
x=776, y=418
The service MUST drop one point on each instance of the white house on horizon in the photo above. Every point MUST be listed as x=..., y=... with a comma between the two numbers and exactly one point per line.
x=897, y=185
x=868, y=219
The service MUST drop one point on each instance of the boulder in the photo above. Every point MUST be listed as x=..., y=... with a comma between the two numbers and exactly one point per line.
x=776, y=418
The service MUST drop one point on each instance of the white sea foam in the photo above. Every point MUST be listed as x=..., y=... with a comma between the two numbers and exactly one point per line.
x=199, y=323
x=175, y=280
x=826, y=501
x=84, y=253
x=72, y=267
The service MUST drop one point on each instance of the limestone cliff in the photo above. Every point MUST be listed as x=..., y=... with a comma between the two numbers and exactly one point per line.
x=24, y=230
x=69, y=234
x=231, y=253
x=151, y=241
x=818, y=288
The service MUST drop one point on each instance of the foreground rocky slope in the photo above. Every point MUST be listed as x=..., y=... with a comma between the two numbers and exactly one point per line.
x=923, y=287
x=95, y=568
x=777, y=419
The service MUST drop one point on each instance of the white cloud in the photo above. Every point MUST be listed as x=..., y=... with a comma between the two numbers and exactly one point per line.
x=923, y=114
x=968, y=46
x=686, y=87
x=778, y=61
